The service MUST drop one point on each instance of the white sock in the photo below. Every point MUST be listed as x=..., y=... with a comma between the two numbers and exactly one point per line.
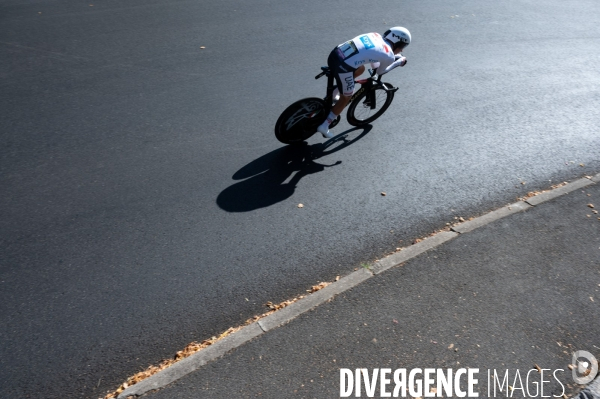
x=331, y=118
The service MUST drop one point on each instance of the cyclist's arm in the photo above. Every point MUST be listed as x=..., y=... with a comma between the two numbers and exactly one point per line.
x=400, y=60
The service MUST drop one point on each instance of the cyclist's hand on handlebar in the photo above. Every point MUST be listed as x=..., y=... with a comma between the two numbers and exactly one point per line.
x=401, y=60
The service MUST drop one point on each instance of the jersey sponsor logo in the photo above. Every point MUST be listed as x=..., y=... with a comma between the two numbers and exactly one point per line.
x=366, y=40
x=349, y=85
x=347, y=50
x=359, y=62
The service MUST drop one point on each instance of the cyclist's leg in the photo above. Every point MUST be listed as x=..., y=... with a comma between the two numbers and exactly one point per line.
x=344, y=77
x=359, y=71
x=336, y=93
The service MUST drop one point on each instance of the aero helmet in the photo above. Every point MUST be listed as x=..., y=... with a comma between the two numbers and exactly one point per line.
x=398, y=36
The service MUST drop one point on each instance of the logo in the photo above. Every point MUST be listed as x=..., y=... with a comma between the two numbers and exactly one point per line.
x=402, y=39
x=307, y=110
x=349, y=84
x=367, y=42
x=585, y=367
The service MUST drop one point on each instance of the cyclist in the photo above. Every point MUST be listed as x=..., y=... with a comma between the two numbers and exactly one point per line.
x=347, y=61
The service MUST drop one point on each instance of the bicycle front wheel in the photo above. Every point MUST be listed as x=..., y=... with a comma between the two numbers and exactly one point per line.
x=300, y=120
x=370, y=105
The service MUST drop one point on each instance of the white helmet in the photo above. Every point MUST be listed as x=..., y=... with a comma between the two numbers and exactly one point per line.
x=398, y=36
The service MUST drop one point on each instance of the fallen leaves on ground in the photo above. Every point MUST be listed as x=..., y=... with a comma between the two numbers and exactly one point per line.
x=194, y=347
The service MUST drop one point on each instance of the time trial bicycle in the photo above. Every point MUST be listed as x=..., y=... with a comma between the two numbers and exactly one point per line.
x=300, y=120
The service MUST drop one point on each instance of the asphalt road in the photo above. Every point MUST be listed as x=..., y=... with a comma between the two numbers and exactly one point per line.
x=145, y=202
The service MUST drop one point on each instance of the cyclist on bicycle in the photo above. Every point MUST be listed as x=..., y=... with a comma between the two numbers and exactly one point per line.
x=347, y=61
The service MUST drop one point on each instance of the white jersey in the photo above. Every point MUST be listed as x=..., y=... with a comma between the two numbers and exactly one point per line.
x=367, y=48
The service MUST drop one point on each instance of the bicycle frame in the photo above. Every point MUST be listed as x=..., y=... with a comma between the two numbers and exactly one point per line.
x=365, y=84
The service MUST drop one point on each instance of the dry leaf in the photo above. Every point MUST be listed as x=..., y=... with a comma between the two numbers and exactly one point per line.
x=318, y=287
x=451, y=346
x=300, y=206
x=383, y=194
x=590, y=205
x=538, y=368
x=202, y=47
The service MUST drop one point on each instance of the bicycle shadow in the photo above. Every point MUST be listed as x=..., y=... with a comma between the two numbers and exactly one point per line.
x=267, y=177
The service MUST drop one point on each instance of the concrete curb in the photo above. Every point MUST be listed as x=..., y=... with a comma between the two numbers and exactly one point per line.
x=592, y=391
x=238, y=338
x=412, y=251
x=491, y=217
x=557, y=192
x=193, y=362
x=313, y=300
x=285, y=315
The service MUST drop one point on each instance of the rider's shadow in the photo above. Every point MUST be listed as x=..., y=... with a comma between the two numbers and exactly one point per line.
x=267, y=179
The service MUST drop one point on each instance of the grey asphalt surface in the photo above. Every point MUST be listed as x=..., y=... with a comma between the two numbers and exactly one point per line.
x=145, y=203
x=518, y=292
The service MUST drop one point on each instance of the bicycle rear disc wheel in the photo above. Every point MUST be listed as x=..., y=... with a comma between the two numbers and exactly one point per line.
x=300, y=120
x=370, y=105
